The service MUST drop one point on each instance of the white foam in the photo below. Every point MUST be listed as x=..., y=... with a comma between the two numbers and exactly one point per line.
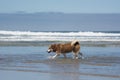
x=57, y=36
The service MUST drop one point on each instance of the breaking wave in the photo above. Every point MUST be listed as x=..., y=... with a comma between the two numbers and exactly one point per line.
x=58, y=36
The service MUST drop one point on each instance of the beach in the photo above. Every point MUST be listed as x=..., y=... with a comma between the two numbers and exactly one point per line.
x=33, y=63
x=25, y=37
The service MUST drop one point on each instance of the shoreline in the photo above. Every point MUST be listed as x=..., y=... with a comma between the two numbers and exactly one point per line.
x=46, y=43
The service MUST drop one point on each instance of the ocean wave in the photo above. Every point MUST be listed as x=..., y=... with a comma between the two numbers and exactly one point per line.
x=57, y=36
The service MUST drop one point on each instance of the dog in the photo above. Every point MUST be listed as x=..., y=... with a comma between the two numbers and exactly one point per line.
x=73, y=46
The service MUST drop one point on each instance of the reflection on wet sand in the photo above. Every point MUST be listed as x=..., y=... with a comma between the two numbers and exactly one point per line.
x=100, y=63
x=67, y=68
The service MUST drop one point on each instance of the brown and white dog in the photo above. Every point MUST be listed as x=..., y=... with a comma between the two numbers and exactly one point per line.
x=73, y=46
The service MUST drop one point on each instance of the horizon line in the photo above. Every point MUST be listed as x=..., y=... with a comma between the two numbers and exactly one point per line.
x=53, y=12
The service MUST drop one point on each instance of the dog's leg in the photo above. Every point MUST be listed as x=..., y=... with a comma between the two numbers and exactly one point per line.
x=53, y=57
x=64, y=55
x=75, y=56
x=81, y=55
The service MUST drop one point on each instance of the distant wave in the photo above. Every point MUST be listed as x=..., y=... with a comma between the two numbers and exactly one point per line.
x=58, y=36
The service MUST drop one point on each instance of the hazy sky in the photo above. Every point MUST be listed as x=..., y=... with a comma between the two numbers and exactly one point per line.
x=66, y=6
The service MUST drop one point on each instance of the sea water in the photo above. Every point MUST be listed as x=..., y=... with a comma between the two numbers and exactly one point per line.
x=23, y=49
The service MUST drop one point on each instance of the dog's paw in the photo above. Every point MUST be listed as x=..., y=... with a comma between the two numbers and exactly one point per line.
x=76, y=58
x=82, y=57
x=50, y=57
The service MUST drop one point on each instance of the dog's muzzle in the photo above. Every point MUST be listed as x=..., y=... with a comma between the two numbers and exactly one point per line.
x=48, y=50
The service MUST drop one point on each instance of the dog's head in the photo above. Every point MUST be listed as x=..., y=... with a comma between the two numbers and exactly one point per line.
x=52, y=48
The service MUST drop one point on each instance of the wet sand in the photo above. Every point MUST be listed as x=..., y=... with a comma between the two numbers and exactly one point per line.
x=32, y=63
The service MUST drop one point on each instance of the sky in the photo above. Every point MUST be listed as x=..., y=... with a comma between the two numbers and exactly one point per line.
x=65, y=6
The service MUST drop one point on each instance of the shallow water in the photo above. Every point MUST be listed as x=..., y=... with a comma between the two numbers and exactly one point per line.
x=33, y=63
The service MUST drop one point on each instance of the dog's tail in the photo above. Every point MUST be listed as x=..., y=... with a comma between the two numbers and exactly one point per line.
x=75, y=42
